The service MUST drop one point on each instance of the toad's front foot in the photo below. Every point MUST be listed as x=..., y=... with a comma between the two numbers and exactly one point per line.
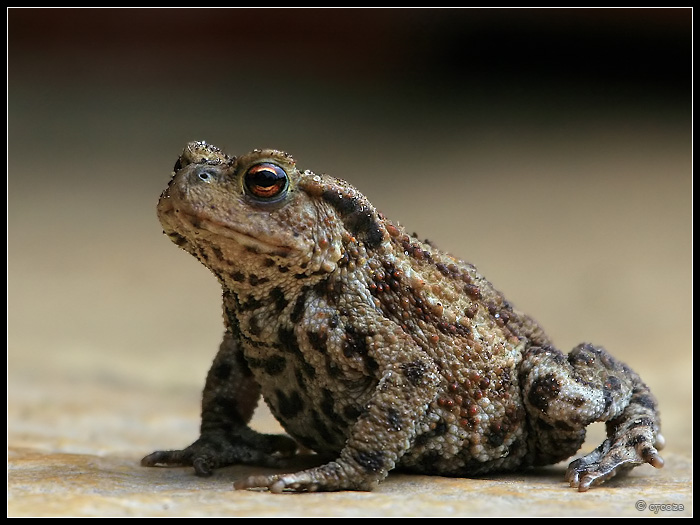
x=609, y=460
x=219, y=449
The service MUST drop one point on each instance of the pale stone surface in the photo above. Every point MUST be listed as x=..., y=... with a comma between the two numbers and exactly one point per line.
x=54, y=484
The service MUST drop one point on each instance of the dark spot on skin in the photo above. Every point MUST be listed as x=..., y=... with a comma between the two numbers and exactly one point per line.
x=268, y=263
x=252, y=249
x=421, y=440
x=308, y=369
x=334, y=321
x=563, y=425
x=357, y=216
x=289, y=406
x=333, y=370
x=414, y=371
x=251, y=304
x=277, y=296
x=322, y=429
x=343, y=204
x=440, y=429
x=330, y=290
x=253, y=327
x=328, y=405
x=254, y=280
x=543, y=390
x=301, y=380
x=647, y=453
x=289, y=345
x=370, y=461
x=226, y=411
x=275, y=365
x=645, y=401
x=317, y=341
x=217, y=252
x=272, y=366
x=578, y=402
x=282, y=269
x=636, y=440
x=352, y=412
x=371, y=365
x=365, y=227
x=607, y=399
x=177, y=238
x=286, y=337
x=375, y=236
x=202, y=257
x=238, y=277
x=222, y=370
x=355, y=343
x=393, y=419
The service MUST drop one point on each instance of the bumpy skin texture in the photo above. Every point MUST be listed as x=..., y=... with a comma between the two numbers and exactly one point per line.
x=375, y=348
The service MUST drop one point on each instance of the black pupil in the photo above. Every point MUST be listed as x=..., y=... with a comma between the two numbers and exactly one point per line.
x=265, y=177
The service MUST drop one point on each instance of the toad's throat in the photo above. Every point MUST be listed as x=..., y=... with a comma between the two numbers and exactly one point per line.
x=225, y=231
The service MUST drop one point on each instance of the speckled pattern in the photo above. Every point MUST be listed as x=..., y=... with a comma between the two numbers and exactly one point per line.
x=375, y=348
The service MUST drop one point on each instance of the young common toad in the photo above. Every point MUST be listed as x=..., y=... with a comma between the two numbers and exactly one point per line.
x=374, y=347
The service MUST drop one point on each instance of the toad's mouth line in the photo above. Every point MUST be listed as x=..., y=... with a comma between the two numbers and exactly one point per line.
x=219, y=229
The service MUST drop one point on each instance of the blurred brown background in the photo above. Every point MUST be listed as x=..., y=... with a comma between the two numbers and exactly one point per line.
x=551, y=148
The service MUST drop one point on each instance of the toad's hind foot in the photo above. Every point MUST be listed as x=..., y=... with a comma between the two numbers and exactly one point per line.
x=609, y=460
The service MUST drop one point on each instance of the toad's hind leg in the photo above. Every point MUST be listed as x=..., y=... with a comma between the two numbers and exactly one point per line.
x=563, y=394
x=229, y=399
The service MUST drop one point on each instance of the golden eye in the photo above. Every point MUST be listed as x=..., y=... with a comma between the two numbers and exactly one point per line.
x=266, y=181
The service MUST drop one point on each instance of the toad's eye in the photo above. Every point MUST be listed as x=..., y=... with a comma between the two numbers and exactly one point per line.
x=266, y=181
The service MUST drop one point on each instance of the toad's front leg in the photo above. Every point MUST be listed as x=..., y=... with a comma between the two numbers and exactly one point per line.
x=229, y=399
x=378, y=439
x=564, y=394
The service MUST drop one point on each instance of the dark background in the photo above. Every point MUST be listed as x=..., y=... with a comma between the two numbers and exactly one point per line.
x=378, y=78
x=551, y=148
